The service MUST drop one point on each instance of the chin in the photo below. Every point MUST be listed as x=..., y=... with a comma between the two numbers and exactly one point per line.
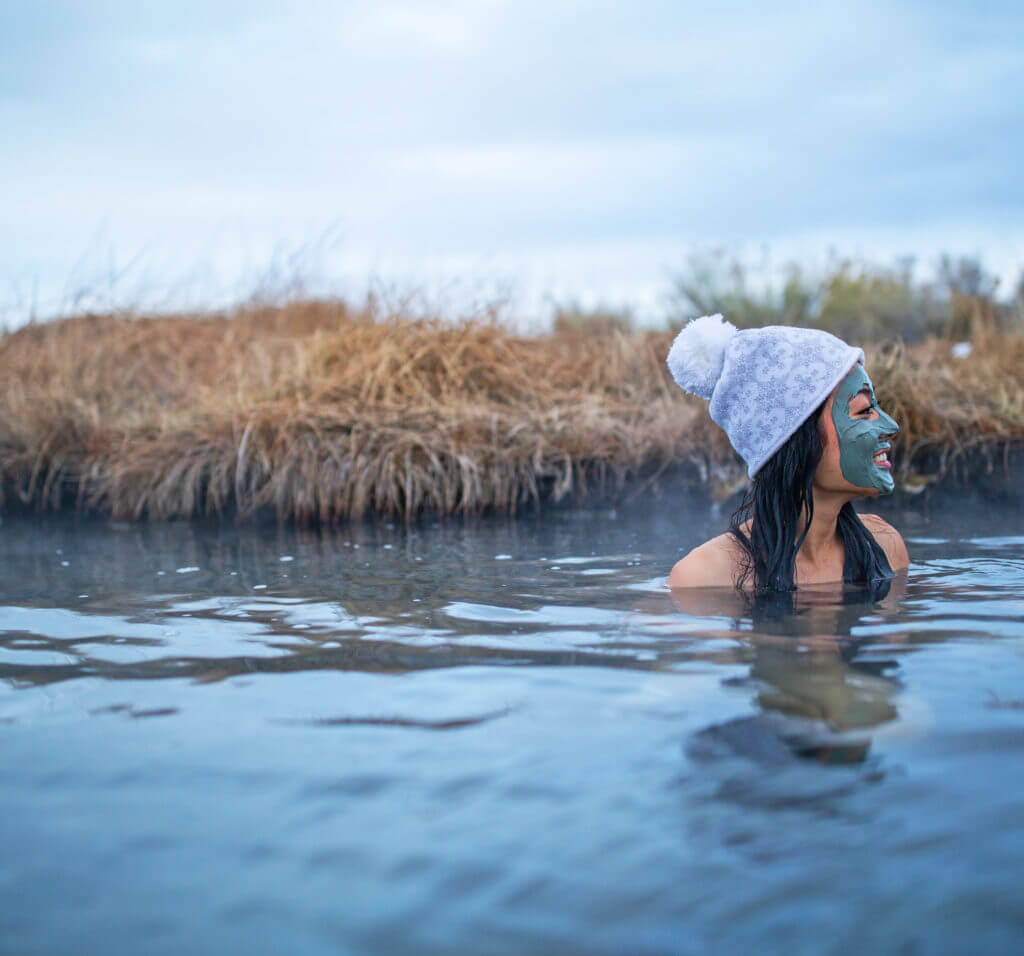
x=858, y=492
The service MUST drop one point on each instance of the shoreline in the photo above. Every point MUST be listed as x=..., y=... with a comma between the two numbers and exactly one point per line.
x=320, y=412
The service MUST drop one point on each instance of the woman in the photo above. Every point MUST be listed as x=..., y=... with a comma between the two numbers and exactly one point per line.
x=800, y=409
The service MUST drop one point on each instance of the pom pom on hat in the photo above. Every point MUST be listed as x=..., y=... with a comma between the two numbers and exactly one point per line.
x=698, y=353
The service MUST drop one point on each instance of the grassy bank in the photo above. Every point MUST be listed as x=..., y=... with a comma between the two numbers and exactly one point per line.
x=319, y=411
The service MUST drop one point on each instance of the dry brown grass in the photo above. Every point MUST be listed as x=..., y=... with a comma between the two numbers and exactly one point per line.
x=319, y=412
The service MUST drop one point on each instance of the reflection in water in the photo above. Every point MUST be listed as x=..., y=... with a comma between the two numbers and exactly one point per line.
x=502, y=736
x=817, y=701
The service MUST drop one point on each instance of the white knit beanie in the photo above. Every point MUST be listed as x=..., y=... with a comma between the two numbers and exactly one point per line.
x=763, y=383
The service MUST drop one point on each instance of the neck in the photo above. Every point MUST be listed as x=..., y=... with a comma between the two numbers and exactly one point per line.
x=820, y=541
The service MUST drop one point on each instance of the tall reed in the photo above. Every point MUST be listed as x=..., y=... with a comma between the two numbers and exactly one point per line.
x=319, y=411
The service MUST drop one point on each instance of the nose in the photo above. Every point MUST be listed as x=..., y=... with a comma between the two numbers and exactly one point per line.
x=887, y=423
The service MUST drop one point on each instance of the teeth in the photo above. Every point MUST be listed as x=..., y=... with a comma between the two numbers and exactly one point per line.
x=881, y=457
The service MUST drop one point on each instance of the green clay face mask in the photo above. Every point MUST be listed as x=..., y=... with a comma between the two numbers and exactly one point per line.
x=863, y=442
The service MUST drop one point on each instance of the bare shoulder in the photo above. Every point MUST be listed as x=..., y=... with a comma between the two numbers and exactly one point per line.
x=713, y=564
x=890, y=539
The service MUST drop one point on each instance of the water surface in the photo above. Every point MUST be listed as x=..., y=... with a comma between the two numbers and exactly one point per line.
x=504, y=736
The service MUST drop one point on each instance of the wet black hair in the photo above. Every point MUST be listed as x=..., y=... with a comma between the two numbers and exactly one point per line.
x=780, y=494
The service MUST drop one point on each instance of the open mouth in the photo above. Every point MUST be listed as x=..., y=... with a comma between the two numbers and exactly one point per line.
x=881, y=458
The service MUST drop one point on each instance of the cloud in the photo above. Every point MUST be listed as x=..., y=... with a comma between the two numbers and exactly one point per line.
x=501, y=126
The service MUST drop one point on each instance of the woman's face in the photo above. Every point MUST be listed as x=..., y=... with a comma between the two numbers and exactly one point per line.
x=856, y=436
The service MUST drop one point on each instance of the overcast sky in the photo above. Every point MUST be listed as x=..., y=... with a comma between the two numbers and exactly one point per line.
x=186, y=150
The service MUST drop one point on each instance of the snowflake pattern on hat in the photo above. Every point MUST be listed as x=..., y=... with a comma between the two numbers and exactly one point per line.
x=771, y=380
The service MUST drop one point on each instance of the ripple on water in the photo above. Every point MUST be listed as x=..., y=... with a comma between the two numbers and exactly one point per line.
x=444, y=747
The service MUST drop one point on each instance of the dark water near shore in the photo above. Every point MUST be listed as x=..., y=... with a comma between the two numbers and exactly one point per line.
x=505, y=736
